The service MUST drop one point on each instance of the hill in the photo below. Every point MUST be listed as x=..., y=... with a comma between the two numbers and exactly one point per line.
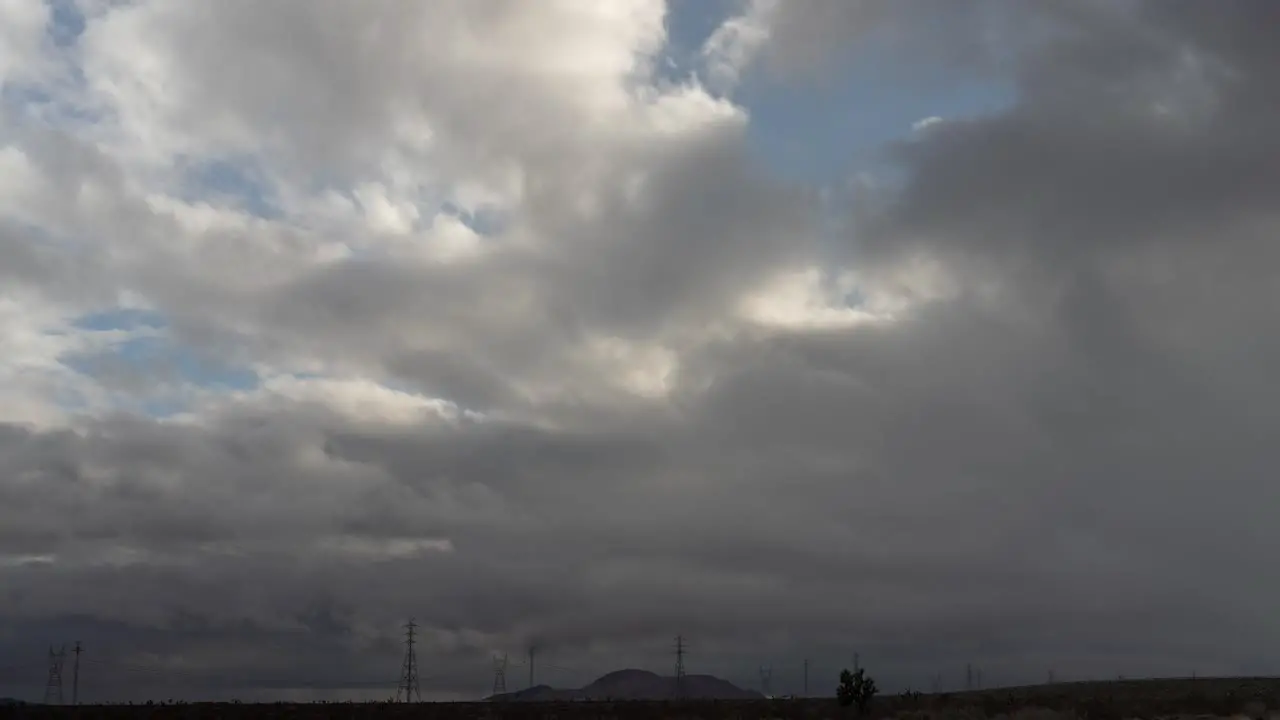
x=634, y=685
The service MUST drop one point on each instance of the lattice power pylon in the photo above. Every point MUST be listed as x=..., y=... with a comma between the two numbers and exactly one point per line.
x=53, y=688
x=407, y=690
x=681, y=651
x=499, y=674
x=766, y=681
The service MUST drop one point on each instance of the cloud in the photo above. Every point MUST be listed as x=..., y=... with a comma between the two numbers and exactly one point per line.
x=924, y=124
x=529, y=346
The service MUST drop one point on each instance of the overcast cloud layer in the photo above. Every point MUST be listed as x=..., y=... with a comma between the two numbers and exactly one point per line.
x=315, y=316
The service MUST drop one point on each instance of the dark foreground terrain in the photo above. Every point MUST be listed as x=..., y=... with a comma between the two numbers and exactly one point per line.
x=1120, y=700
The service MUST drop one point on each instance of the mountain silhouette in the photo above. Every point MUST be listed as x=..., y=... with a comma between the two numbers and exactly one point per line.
x=634, y=685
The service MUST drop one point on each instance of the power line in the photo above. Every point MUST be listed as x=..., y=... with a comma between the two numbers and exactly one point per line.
x=544, y=664
x=409, y=670
x=16, y=667
x=53, y=686
x=220, y=676
x=171, y=673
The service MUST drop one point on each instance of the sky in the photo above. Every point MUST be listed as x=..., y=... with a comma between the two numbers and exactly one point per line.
x=940, y=333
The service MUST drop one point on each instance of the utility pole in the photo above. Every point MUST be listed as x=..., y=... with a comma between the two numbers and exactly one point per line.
x=766, y=676
x=533, y=651
x=978, y=672
x=75, y=676
x=680, y=651
x=937, y=683
x=1050, y=677
x=806, y=677
x=968, y=676
x=499, y=674
x=408, y=687
x=856, y=665
x=53, y=688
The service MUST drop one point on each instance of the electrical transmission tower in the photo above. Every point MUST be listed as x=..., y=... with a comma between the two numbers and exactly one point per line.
x=75, y=676
x=408, y=687
x=499, y=674
x=680, y=652
x=766, y=677
x=53, y=688
x=533, y=650
x=806, y=677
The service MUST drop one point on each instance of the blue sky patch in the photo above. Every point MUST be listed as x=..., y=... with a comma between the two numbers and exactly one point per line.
x=161, y=360
x=236, y=183
x=835, y=126
x=204, y=371
x=142, y=371
x=120, y=319
x=66, y=22
x=162, y=407
x=689, y=24
x=825, y=131
x=484, y=221
x=22, y=95
x=30, y=102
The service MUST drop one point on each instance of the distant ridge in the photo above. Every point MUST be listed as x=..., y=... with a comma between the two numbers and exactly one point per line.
x=634, y=685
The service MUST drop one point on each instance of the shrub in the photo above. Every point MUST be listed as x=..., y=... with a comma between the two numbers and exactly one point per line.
x=855, y=689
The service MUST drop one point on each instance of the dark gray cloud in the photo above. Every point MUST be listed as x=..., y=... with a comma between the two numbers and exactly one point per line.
x=1057, y=455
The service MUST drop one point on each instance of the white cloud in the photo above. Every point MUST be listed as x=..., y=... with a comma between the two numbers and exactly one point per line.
x=36, y=386
x=644, y=370
x=737, y=42
x=386, y=549
x=360, y=400
x=800, y=301
x=926, y=123
x=22, y=27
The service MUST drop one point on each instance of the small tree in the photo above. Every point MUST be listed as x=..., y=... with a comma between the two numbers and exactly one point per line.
x=844, y=691
x=855, y=689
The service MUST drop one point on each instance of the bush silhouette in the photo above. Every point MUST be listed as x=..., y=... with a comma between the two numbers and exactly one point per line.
x=855, y=689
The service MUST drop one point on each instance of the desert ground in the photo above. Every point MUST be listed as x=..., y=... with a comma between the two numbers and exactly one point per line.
x=1199, y=699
